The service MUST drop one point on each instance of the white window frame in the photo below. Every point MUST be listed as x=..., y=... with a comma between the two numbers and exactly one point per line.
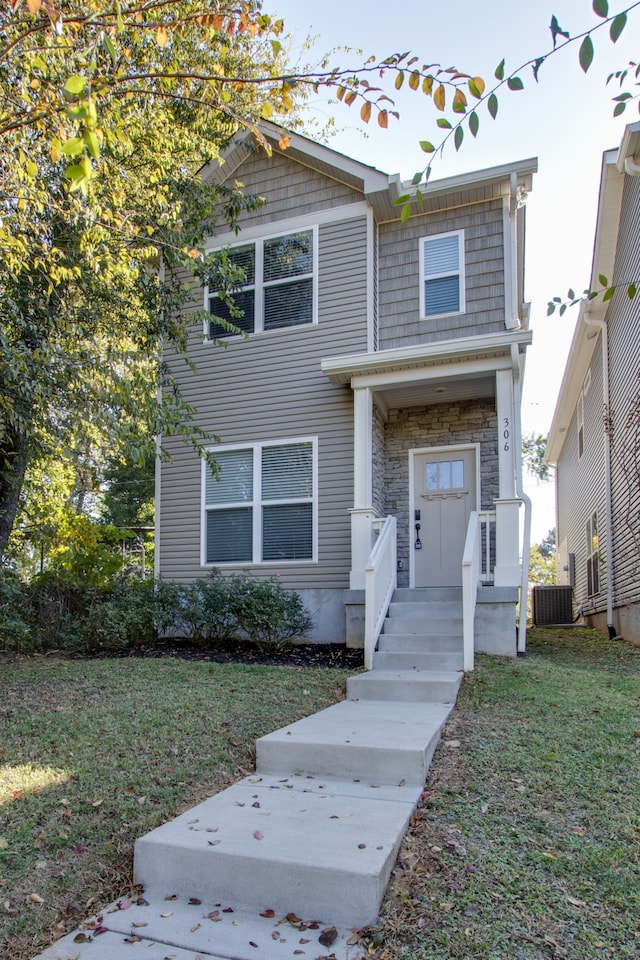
x=593, y=555
x=425, y=277
x=260, y=284
x=257, y=503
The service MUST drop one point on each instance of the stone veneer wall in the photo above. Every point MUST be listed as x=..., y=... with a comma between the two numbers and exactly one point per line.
x=435, y=426
x=378, y=462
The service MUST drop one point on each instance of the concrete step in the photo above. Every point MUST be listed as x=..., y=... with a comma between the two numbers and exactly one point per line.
x=413, y=685
x=422, y=594
x=312, y=847
x=412, y=660
x=214, y=929
x=445, y=643
x=375, y=742
x=434, y=610
x=423, y=626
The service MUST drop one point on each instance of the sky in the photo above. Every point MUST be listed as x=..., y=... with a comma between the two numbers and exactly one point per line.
x=565, y=121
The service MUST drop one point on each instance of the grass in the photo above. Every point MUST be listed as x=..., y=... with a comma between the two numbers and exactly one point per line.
x=526, y=843
x=95, y=753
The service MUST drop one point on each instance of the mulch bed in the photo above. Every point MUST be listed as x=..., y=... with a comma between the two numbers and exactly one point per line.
x=292, y=655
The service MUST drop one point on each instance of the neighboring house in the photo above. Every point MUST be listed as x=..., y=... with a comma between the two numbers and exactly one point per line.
x=379, y=377
x=595, y=431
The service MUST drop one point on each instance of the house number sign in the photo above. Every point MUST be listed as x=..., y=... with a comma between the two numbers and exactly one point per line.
x=506, y=434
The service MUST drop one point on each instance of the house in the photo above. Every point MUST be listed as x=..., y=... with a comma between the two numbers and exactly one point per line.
x=374, y=399
x=594, y=434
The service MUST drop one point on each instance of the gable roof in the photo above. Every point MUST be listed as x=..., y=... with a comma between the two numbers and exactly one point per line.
x=615, y=164
x=380, y=189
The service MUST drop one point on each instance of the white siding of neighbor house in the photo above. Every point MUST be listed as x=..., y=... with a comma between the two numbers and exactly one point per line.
x=269, y=386
x=399, y=321
x=581, y=487
x=624, y=364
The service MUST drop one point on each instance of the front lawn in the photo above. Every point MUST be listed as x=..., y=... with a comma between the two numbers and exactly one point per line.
x=95, y=753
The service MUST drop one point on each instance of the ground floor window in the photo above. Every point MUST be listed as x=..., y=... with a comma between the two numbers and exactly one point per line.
x=260, y=503
x=593, y=556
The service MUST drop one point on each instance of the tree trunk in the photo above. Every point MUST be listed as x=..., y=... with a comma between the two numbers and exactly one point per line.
x=15, y=453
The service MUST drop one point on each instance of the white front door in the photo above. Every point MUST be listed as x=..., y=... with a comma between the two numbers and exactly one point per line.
x=444, y=494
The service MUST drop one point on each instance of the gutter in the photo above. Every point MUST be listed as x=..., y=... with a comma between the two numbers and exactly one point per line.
x=601, y=325
x=526, y=536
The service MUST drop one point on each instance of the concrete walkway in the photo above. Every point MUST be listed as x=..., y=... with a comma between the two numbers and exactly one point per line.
x=294, y=860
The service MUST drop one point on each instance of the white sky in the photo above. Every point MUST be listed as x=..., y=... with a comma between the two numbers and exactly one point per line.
x=566, y=121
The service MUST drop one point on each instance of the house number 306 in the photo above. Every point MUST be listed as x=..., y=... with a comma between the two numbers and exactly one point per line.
x=506, y=434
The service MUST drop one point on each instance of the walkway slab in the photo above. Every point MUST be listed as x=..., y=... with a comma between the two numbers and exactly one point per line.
x=428, y=686
x=375, y=741
x=269, y=842
x=185, y=929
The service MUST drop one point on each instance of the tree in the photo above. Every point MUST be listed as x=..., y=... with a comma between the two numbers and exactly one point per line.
x=534, y=448
x=542, y=560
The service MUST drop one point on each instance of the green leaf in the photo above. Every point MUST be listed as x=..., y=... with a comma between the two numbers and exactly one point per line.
x=601, y=8
x=73, y=147
x=492, y=105
x=617, y=26
x=551, y=308
x=399, y=80
x=632, y=289
x=474, y=123
x=515, y=83
x=571, y=295
x=92, y=143
x=417, y=177
x=458, y=137
x=75, y=172
x=405, y=213
x=427, y=147
x=31, y=168
x=603, y=281
x=75, y=85
x=403, y=199
x=608, y=294
x=110, y=46
x=585, y=56
x=276, y=47
x=499, y=72
x=443, y=122
x=619, y=108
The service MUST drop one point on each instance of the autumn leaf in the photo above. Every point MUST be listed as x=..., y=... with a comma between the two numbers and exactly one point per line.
x=162, y=37
x=258, y=835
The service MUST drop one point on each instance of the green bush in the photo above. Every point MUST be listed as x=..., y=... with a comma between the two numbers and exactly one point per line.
x=265, y=613
x=15, y=629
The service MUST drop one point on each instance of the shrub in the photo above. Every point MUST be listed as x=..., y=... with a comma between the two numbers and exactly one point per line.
x=266, y=613
x=15, y=629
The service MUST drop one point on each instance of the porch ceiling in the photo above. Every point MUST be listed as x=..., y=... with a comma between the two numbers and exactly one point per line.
x=440, y=390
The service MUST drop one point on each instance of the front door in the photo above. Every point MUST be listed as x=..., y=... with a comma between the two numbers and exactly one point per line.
x=444, y=494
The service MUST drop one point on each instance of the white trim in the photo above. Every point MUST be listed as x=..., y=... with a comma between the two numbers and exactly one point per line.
x=434, y=451
x=580, y=424
x=289, y=225
x=371, y=269
x=256, y=446
x=435, y=371
x=259, y=284
x=435, y=276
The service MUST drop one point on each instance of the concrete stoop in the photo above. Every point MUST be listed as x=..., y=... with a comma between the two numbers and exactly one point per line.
x=306, y=844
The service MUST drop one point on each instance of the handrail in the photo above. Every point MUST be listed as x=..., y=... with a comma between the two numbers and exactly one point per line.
x=380, y=583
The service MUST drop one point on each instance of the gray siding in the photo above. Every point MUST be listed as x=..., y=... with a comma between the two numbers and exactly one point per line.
x=581, y=487
x=435, y=426
x=290, y=189
x=269, y=386
x=624, y=363
x=399, y=320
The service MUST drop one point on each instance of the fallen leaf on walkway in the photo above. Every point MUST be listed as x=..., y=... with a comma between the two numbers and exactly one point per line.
x=328, y=936
x=194, y=902
x=258, y=835
x=169, y=914
x=195, y=927
x=268, y=914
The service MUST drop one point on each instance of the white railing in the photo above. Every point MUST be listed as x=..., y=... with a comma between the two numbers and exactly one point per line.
x=477, y=567
x=380, y=582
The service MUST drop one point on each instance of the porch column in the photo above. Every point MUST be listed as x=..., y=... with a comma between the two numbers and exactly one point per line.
x=362, y=513
x=507, y=566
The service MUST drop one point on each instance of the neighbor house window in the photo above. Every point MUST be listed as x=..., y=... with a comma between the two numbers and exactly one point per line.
x=279, y=285
x=580, y=423
x=259, y=506
x=442, y=274
x=593, y=556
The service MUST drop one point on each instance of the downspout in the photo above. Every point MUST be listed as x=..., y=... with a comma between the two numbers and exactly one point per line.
x=604, y=338
x=526, y=536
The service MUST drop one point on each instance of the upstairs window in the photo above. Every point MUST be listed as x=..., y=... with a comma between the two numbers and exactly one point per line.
x=442, y=274
x=260, y=507
x=279, y=285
